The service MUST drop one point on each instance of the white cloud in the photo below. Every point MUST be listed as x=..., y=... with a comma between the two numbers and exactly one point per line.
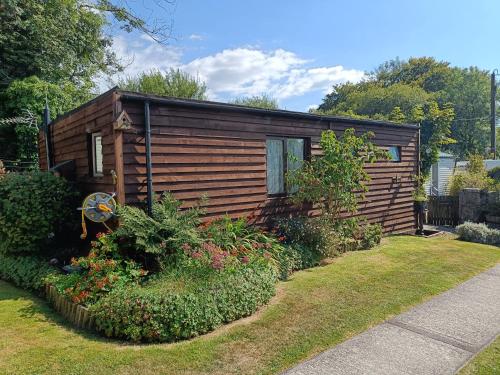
x=237, y=72
x=144, y=54
x=196, y=37
x=244, y=71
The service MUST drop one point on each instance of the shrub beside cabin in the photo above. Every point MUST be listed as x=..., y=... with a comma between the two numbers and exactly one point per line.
x=135, y=144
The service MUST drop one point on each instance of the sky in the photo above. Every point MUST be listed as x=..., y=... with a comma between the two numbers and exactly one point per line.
x=296, y=50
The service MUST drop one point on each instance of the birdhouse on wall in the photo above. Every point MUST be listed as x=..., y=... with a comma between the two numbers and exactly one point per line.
x=122, y=122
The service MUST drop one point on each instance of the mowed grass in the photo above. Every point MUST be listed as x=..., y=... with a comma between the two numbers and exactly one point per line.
x=314, y=310
x=485, y=363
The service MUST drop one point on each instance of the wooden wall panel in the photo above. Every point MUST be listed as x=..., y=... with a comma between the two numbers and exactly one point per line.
x=222, y=155
x=69, y=140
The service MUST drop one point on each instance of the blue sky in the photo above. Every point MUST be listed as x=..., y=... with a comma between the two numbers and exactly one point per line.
x=295, y=50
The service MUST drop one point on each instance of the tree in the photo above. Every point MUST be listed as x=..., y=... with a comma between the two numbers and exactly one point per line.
x=372, y=99
x=64, y=39
x=174, y=83
x=419, y=82
x=434, y=132
x=475, y=176
x=55, y=47
x=18, y=141
x=259, y=101
x=55, y=40
x=336, y=180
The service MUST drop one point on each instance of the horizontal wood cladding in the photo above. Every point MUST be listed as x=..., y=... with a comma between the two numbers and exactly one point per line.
x=69, y=141
x=222, y=155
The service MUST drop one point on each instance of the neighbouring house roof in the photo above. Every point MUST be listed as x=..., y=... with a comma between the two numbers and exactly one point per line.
x=444, y=155
x=489, y=164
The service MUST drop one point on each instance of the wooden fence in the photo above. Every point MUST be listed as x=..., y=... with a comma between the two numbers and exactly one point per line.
x=78, y=315
x=443, y=210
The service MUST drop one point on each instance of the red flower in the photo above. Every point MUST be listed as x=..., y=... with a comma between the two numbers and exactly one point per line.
x=245, y=260
x=281, y=238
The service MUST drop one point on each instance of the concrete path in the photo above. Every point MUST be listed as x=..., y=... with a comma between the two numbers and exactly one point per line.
x=437, y=337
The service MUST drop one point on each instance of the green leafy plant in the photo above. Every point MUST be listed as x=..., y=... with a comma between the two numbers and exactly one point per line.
x=153, y=239
x=419, y=195
x=196, y=304
x=37, y=212
x=371, y=235
x=174, y=83
x=98, y=273
x=475, y=176
x=258, y=101
x=28, y=272
x=336, y=180
x=481, y=233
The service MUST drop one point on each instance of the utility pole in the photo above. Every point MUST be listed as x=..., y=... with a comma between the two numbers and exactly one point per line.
x=493, y=114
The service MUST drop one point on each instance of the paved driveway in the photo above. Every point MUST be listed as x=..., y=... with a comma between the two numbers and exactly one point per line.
x=437, y=337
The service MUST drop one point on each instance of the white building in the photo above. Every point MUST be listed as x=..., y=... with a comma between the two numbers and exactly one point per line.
x=441, y=172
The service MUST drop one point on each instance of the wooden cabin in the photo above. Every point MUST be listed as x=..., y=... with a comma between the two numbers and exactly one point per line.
x=135, y=144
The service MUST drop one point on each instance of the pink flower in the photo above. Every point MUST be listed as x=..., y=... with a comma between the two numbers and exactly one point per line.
x=217, y=264
x=196, y=255
x=245, y=259
x=186, y=247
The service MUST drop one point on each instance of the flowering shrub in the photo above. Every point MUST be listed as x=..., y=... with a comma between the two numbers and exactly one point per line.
x=184, y=303
x=98, y=273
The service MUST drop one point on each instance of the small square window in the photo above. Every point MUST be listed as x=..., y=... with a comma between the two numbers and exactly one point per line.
x=395, y=153
x=97, y=164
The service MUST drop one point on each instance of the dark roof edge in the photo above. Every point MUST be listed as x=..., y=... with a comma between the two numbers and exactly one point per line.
x=86, y=104
x=129, y=95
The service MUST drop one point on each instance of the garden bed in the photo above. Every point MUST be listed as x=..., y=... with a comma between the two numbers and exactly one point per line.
x=317, y=309
x=78, y=315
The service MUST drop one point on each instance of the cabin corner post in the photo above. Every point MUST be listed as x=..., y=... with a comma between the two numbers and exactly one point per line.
x=118, y=145
x=120, y=183
x=149, y=167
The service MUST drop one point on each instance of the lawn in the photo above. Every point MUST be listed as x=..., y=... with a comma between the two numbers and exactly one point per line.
x=485, y=363
x=314, y=310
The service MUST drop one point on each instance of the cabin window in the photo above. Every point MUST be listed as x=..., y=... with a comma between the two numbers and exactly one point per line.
x=395, y=153
x=282, y=155
x=97, y=166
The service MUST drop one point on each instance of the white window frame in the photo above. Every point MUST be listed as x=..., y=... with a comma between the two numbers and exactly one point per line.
x=95, y=171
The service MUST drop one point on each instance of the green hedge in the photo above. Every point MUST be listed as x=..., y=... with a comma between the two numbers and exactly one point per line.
x=37, y=210
x=27, y=272
x=169, y=314
x=480, y=233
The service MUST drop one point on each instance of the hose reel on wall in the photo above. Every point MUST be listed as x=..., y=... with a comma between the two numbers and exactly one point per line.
x=97, y=207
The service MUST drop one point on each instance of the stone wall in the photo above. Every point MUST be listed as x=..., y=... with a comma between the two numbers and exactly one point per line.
x=474, y=203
